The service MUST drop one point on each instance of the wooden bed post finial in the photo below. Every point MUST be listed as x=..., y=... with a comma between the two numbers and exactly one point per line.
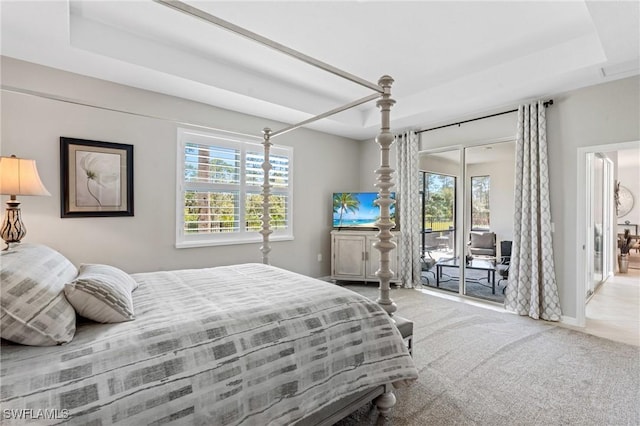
x=266, y=192
x=384, y=184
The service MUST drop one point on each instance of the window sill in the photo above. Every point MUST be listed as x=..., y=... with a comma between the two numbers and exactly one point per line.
x=230, y=241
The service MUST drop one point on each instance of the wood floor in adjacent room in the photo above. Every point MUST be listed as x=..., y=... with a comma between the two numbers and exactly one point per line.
x=614, y=311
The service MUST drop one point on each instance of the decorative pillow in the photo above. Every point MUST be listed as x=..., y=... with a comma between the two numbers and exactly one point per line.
x=33, y=308
x=482, y=240
x=102, y=293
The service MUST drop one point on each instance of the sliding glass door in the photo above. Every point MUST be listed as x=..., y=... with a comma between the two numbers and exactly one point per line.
x=467, y=216
x=439, y=183
x=489, y=173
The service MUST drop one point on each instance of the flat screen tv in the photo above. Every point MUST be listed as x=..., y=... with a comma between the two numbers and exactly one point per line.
x=356, y=210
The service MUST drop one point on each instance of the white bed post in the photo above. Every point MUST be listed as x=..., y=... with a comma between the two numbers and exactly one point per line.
x=384, y=184
x=266, y=192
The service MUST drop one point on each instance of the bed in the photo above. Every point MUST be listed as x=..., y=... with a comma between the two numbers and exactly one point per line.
x=240, y=344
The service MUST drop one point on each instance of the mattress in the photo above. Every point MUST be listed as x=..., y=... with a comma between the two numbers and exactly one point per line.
x=243, y=344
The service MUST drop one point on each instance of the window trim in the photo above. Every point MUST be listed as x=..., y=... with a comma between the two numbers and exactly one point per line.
x=243, y=236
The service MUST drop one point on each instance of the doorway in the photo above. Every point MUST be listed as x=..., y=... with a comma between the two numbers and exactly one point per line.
x=619, y=318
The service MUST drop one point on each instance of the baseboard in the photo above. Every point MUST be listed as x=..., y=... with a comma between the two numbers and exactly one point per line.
x=565, y=320
x=572, y=321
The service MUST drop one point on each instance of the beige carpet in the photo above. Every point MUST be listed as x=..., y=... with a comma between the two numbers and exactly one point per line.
x=481, y=367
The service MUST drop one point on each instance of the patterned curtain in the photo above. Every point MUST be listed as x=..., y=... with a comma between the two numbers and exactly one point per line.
x=409, y=211
x=531, y=289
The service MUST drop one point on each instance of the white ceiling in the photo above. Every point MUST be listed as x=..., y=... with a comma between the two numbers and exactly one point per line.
x=450, y=60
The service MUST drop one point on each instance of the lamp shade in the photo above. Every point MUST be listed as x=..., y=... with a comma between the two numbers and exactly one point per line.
x=19, y=176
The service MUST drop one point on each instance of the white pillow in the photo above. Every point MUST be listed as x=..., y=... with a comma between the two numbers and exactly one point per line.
x=33, y=308
x=102, y=293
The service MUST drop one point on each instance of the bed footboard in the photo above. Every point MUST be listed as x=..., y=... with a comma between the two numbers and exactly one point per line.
x=335, y=412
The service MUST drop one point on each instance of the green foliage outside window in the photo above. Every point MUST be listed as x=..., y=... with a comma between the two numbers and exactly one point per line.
x=480, y=211
x=217, y=211
x=439, y=202
x=210, y=212
x=278, y=212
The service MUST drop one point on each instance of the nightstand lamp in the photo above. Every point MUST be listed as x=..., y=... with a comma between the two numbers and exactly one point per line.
x=18, y=176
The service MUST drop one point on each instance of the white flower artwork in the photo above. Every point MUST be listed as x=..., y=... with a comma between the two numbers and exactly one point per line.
x=98, y=179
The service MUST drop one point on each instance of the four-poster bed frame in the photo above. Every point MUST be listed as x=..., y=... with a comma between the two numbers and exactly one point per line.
x=384, y=139
x=385, y=399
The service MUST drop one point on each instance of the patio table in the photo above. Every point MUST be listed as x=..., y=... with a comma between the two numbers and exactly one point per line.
x=484, y=264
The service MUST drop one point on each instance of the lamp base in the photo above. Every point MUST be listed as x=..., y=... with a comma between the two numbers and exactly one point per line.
x=12, y=230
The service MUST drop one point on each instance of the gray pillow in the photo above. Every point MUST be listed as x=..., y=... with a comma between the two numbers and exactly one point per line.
x=482, y=240
x=102, y=293
x=33, y=308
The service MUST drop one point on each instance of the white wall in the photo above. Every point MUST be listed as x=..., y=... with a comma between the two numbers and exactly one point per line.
x=32, y=126
x=603, y=114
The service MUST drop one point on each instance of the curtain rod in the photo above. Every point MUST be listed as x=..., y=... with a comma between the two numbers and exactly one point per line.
x=545, y=103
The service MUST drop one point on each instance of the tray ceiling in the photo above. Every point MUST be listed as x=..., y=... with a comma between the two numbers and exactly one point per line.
x=450, y=60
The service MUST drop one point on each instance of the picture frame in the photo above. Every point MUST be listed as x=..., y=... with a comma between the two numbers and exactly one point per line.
x=96, y=178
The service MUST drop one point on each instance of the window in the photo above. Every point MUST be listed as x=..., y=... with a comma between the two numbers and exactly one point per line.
x=219, y=195
x=480, y=213
x=438, y=195
x=439, y=201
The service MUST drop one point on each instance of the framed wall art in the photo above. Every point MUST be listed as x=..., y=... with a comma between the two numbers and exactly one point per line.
x=96, y=178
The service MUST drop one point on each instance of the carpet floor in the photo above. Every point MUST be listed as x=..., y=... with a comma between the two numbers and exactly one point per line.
x=482, y=367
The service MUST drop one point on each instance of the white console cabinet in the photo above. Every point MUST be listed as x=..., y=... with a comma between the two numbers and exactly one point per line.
x=354, y=258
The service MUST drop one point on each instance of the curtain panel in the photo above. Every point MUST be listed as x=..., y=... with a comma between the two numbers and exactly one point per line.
x=531, y=288
x=409, y=209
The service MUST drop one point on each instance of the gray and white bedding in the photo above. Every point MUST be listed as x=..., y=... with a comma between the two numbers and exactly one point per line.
x=242, y=344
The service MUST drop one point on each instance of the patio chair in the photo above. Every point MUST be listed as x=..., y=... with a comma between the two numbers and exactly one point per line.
x=427, y=264
x=482, y=243
x=505, y=262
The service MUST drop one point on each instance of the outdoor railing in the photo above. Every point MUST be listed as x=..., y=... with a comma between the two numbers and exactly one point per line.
x=438, y=224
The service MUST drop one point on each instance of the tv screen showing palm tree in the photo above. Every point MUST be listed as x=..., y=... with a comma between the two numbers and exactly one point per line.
x=357, y=209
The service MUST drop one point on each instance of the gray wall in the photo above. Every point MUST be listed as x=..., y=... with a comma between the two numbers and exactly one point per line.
x=603, y=114
x=32, y=126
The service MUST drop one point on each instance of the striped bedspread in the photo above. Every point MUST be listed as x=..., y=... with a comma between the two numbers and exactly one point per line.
x=243, y=344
